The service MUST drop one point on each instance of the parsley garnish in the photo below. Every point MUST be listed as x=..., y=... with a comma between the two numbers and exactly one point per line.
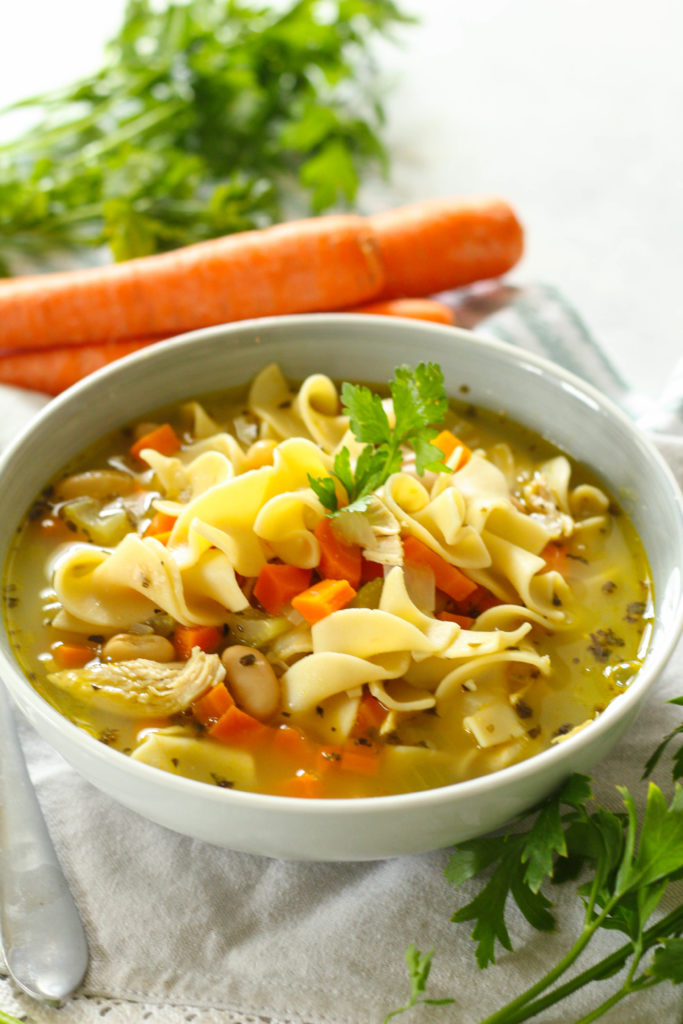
x=419, y=401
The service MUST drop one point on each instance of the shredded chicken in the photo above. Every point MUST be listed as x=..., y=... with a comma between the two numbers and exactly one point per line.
x=142, y=687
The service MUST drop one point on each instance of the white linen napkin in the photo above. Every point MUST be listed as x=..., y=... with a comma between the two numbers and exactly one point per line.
x=183, y=931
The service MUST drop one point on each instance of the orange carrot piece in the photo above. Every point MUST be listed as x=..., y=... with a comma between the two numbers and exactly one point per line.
x=236, y=726
x=440, y=244
x=303, y=784
x=339, y=560
x=322, y=599
x=277, y=584
x=186, y=638
x=320, y=263
x=359, y=760
x=162, y=439
x=448, y=578
x=291, y=745
x=53, y=370
x=369, y=717
x=447, y=442
x=431, y=310
x=555, y=557
x=464, y=621
x=72, y=655
x=160, y=524
x=208, y=708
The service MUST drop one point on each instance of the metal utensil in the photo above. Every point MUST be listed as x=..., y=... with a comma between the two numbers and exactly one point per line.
x=41, y=932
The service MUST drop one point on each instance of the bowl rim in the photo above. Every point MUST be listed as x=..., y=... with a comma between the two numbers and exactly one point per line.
x=626, y=703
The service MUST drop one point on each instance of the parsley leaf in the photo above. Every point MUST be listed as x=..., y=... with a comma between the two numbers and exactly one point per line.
x=419, y=400
x=419, y=965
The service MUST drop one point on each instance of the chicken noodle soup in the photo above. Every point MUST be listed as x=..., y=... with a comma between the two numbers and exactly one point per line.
x=232, y=592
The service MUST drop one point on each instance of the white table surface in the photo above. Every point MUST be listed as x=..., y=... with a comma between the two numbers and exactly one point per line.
x=571, y=111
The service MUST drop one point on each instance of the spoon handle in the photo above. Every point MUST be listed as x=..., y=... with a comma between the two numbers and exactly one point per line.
x=42, y=935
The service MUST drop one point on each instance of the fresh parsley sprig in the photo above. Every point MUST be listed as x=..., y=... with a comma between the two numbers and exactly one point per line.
x=622, y=865
x=419, y=401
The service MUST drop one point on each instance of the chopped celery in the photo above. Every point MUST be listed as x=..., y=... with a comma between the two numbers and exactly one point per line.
x=102, y=525
x=369, y=594
x=257, y=629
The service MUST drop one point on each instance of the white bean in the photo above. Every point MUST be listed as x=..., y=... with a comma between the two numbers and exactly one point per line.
x=127, y=646
x=251, y=680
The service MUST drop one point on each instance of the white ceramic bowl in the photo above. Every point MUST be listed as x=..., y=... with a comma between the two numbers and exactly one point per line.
x=548, y=400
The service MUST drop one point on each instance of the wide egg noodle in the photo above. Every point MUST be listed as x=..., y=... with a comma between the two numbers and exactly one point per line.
x=313, y=679
x=118, y=588
x=409, y=501
x=317, y=403
x=286, y=523
x=451, y=682
x=272, y=401
x=181, y=482
x=516, y=572
x=489, y=506
x=396, y=601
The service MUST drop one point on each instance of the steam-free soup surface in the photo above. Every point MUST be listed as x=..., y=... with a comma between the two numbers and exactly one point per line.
x=183, y=594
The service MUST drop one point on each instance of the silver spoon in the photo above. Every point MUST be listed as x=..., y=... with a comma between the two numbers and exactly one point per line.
x=41, y=932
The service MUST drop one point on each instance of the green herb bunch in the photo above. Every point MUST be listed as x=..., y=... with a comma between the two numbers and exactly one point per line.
x=208, y=117
x=621, y=863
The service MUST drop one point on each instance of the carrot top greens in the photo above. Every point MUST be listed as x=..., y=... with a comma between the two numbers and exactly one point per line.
x=204, y=117
x=419, y=401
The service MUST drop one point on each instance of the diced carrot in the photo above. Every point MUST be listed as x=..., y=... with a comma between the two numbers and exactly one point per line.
x=464, y=621
x=209, y=708
x=54, y=527
x=186, y=638
x=371, y=570
x=447, y=442
x=555, y=557
x=303, y=784
x=339, y=560
x=448, y=578
x=322, y=599
x=277, y=584
x=162, y=439
x=369, y=717
x=72, y=655
x=237, y=727
x=475, y=603
x=160, y=526
x=290, y=744
x=359, y=760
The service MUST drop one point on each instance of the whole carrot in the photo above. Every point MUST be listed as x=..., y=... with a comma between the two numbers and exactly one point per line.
x=320, y=263
x=439, y=244
x=412, y=309
x=52, y=370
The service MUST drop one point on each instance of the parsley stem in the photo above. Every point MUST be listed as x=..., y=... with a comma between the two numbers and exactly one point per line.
x=528, y=1007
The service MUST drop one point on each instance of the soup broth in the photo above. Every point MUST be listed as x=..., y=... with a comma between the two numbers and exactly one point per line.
x=182, y=593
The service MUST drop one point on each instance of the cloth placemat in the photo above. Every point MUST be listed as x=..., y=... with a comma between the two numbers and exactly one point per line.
x=182, y=931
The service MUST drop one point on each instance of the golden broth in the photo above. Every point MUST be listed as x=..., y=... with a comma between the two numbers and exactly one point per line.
x=349, y=744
